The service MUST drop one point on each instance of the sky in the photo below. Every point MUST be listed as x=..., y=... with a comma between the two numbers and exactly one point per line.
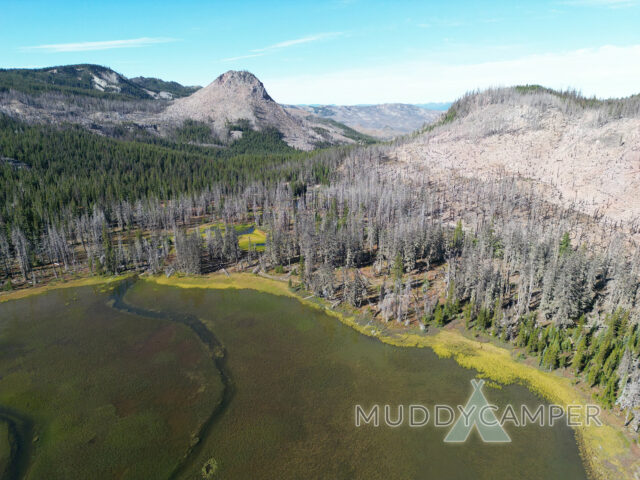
x=340, y=51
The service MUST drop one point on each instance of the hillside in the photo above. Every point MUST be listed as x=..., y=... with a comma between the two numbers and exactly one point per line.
x=239, y=95
x=579, y=152
x=382, y=121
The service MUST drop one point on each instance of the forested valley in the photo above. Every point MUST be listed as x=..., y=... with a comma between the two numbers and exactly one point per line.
x=560, y=285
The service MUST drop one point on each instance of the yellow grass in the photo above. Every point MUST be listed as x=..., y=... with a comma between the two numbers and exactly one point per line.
x=257, y=236
x=221, y=281
x=55, y=284
x=598, y=444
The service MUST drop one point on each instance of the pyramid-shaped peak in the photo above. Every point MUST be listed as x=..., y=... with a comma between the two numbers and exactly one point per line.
x=241, y=76
x=241, y=83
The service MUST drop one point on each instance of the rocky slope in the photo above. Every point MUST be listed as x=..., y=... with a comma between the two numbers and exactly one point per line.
x=578, y=152
x=239, y=95
x=383, y=121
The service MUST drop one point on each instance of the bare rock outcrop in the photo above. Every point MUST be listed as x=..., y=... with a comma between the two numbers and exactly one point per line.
x=239, y=95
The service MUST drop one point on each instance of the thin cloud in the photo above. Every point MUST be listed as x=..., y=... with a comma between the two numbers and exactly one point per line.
x=259, y=52
x=241, y=57
x=298, y=41
x=103, y=45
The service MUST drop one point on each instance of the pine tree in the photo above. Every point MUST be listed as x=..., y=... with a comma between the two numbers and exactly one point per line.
x=579, y=357
x=609, y=394
x=438, y=316
x=398, y=268
x=550, y=357
x=565, y=244
x=468, y=315
x=457, y=238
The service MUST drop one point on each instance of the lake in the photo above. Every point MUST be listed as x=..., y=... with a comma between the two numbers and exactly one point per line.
x=256, y=386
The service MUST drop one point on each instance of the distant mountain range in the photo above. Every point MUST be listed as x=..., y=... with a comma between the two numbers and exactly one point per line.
x=105, y=101
x=89, y=80
x=383, y=121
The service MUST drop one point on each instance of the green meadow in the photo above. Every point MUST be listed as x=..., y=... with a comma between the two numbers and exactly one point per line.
x=248, y=234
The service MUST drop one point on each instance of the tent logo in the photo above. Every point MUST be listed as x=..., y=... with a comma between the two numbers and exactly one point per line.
x=478, y=413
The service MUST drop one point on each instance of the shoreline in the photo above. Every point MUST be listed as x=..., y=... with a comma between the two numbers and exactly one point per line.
x=606, y=451
x=603, y=449
x=96, y=281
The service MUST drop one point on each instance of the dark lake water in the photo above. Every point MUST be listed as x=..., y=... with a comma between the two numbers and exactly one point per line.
x=297, y=376
x=294, y=378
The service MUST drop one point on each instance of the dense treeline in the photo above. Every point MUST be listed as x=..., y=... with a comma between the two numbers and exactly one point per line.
x=49, y=170
x=196, y=132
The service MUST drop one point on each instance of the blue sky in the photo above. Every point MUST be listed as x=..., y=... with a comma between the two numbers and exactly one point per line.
x=340, y=51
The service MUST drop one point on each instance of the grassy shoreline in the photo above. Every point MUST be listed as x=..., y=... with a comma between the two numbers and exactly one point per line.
x=606, y=451
x=56, y=284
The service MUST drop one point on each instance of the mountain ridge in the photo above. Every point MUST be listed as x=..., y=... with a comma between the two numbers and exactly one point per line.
x=89, y=80
x=579, y=152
